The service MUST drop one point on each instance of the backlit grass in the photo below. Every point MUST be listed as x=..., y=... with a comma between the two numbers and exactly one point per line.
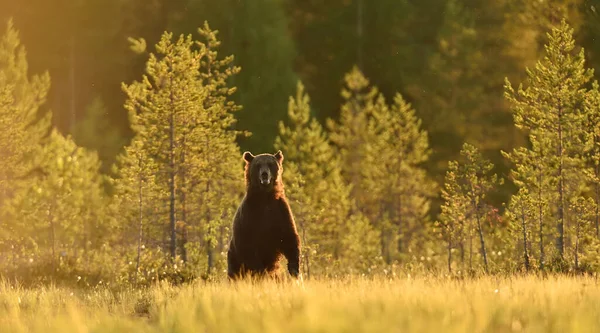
x=527, y=304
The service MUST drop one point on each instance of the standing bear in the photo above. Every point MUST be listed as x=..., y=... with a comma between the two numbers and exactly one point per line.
x=263, y=226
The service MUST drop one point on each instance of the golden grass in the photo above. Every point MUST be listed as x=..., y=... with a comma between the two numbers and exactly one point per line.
x=527, y=304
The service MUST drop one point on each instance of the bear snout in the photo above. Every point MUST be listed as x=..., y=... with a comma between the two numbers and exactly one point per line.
x=265, y=177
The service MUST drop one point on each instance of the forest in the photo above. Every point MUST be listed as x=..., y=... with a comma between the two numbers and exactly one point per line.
x=457, y=137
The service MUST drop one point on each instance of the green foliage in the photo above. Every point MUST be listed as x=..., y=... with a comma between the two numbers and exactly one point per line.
x=320, y=197
x=394, y=174
x=21, y=129
x=466, y=211
x=358, y=186
x=181, y=170
x=521, y=215
x=62, y=214
x=383, y=149
x=550, y=110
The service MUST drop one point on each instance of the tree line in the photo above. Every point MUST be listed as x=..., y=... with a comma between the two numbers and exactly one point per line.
x=448, y=58
x=357, y=183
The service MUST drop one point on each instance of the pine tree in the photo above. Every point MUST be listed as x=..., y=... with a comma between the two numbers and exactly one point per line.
x=135, y=198
x=321, y=197
x=478, y=183
x=162, y=101
x=397, y=155
x=350, y=133
x=62, y=212
x=452, y=216
x=23, y=127
x=377, y=141
x=221, y=186
x=521, y=214
x=592, y=156
x=468, y=185
x=534, y=178
x=550, y=108
x=582, y=227
x=183, y=118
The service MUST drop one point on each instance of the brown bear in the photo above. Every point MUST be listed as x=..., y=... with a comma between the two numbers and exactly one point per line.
x=263, y=226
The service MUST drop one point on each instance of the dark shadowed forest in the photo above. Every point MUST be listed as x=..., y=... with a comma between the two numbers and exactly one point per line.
x=454, y=136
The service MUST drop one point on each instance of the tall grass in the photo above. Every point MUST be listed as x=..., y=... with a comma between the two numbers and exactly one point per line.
x=528, y=304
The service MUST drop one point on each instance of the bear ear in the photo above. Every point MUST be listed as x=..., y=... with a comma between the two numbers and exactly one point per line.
x=248, y=157
x=279, y=156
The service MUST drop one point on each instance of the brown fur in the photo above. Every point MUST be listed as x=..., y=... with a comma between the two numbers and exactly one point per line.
x=264, y=229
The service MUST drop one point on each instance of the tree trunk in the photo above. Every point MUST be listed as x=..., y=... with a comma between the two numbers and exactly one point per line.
x=184, y=240
x=209, y=252
x=524, y=227
x=462, y=255
x=141, y=225
x=597, y=217
x=449, y=250
x=577, y=233
x=400, y=244
x=470, y=245
x=306, y=251
x=221, y=239
x=209, y=244
x=52, y=237
x=541, y=219
x=481, y=239
x=173, y=245
x=183, y=204
x=560, y=245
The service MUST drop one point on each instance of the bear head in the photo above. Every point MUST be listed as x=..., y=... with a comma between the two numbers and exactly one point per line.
x=263, y=171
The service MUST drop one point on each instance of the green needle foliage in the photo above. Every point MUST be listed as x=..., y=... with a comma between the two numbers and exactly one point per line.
x=184, y=143
x=466, y=211
x=551, y=111
x=383, y=149
x=62, y=214
x=323, y=206
x=22, y=125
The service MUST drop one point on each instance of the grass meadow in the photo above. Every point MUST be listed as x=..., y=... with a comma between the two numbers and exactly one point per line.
x=403, y=304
